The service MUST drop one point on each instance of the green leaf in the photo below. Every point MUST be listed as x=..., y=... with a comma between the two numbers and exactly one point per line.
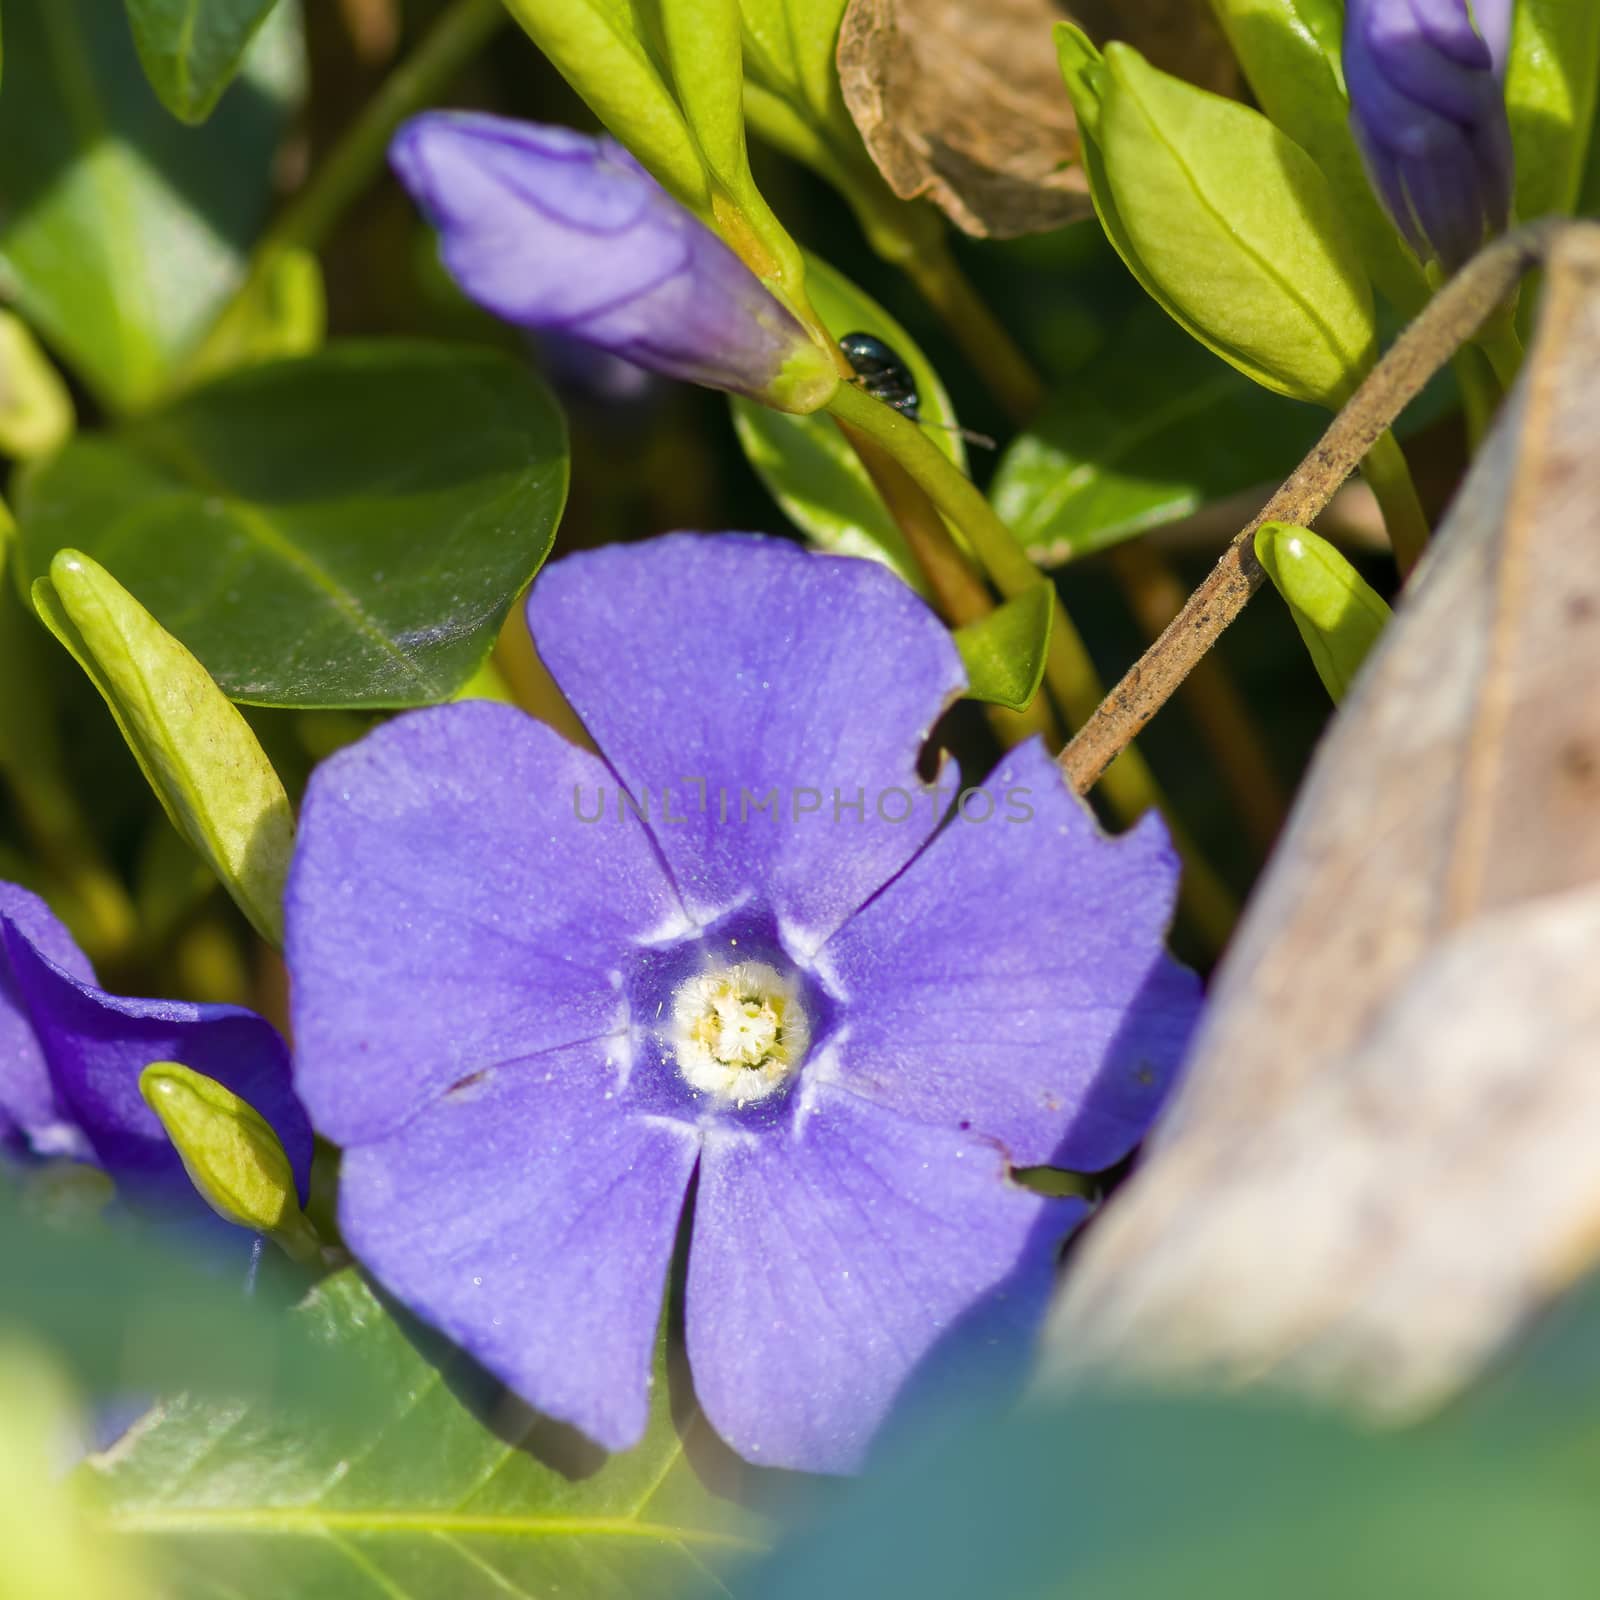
x=1225, y=221
x=703, y=48
x=1004, y=652
x=1552, y=81
x=192, y=48
x=413, y=1500
x=122, y=232
x=790, y=50
x=281, y=312
x=1337, y=611
x=345, y=530
x=609, y=51
x=807, y=464
x=1291, y=55
x=199, y=755
x=36, y=411
x=793, y=100
x=703, y=45
x=1151, y=429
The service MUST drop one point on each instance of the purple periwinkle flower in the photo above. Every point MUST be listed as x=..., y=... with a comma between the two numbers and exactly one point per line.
x=1427, y=106
x=540, y=994
x=561, y=232
x=71, y=1055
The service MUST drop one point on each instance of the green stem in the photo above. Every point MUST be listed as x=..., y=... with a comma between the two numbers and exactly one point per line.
x=1384, y=467
x=1149, y=584
x=1500, y=343
x=911, y=237
x=349, y=167
x=459, y=34
x=1480, y=393
x=1128, y=784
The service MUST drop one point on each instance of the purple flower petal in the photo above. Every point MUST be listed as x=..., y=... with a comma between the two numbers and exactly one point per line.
x=524, y=1036
x=96, y=1044
x=1012, y=979
x=1427, y=107
x=552, y=230
x=31, y=1118
x=447, y=910
x=531, y=1217
x=827, y=1266
x=712, y=671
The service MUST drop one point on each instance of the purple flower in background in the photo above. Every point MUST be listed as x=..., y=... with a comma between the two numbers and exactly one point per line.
x=1427, y=106
x=71, y=1055
x=557, y=231
x=532, y=1018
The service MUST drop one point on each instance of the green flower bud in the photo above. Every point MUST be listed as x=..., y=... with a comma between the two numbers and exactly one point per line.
x=231, y=1154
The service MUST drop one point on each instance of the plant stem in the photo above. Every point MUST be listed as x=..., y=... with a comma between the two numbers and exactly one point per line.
x=1129, y=786
x=1149, y=584
x=1384, y=467
x=959, y=593
x=1156, y=594
x=1500, y=343
x=1480, y=393
x=347, y=169
x=1450, y=318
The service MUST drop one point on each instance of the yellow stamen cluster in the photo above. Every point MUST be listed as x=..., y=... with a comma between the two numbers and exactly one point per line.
x=739, y=1031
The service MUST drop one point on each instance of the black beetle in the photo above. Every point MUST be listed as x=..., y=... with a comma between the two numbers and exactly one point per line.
x=883, y=374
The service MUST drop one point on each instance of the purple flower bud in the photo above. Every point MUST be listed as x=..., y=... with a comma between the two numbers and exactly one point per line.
x=560, y=232
x=1427, y=106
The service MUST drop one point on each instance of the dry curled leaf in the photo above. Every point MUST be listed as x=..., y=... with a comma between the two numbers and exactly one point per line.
x=963, y=104
x=1382, y=1163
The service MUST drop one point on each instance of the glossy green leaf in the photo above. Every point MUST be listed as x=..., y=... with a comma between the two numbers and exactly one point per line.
x=610, y=52
x=232, y=1155
x=52, y=1549
x=1226, y=222
x=1552, y=81
x=191, y=49
x=1004, y=652
x=122, y=232
x=1337, y=611
x=344, y=530
x=1291, y=55
x=282, y=312
x=806, y=463
x=415, y=1499
x=200, y=757
x=36, y=411
x=1153, y=428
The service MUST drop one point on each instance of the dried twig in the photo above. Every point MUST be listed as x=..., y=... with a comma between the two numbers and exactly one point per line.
x=1451, y=318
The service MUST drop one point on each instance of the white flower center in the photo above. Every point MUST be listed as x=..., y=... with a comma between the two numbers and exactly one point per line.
x=739, y=1031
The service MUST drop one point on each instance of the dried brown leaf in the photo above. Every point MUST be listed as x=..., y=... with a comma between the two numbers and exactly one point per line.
x=1382, y=1162
x=963, y=104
